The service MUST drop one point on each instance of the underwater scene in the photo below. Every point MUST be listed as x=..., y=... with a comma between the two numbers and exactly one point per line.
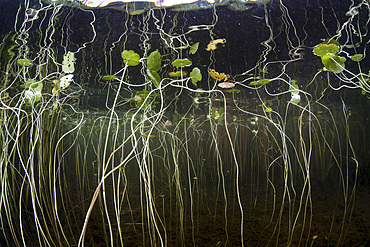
x=168, y=123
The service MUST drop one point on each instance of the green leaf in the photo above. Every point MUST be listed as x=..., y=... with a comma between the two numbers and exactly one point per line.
x=333, y=63
x=233, y=91
x=130, y=57
x=150, y=136
x=178, y=73
x=254, y=83
x=196, y=76
x=181, y=62
x=357, y=57
x=109, y=77
x=33, y=94
x=154, y=61
x=325, y=49
x=194, y=48
x=156, y=79
x=268, y=109
x=264, y=81
x=331, y=41
x=24, y=62
x=293, y=87
x=28, y=83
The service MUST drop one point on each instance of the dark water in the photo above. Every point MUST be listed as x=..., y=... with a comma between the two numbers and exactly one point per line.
x=179, y=170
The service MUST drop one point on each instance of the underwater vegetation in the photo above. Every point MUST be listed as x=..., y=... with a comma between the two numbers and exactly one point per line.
x=145, y=125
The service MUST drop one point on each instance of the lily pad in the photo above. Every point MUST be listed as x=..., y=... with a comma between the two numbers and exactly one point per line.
x=264, y=81
x=177, y=74
x=296, y=98
x=181, y=62
x=268, y=109
x=154, y=61
x=357, y=57
x=226, y=84
x=331, y=41
x=109, y=77
x=196, y=76
x=68, y=64
x=130, y=57
x=233, y=91
x=194, y=48
x=24, y=62
x=28, y=83
x=293, y=88
x=325, y=49
x=333, y=63
x=65, y=81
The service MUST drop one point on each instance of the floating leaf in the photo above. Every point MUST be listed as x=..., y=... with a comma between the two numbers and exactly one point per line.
x=264, y=81
x=196, y=76
x=150, y=136
x=357, y=57
x=68, y=64
x=154, y=61
x=293, y=88
x=130, y=57
x=226, y=84
x=65, y=81
x=333, y=63
x=268, y=109
x=33, y=94
x=181, y=62
x=331, y=41
x=109, y=77
x=218, y=76
x=325, y=49
x=24, y=62
x=296, y=98
x=212, y=45
x=137, y=12
x=254, y=83
x=233, y=91
x=194, y=48
x=177, y=73
x=156, y=79
x=28, y=83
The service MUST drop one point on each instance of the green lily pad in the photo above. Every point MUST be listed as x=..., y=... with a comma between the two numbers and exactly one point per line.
x=109, y=77
x=194, y=48
x=150, y=136
x=177, y=73
x=268, y=109
x=181, y=62
x=195, y=76
x=156, y=79
x=331, y=41
x=24, y=62
x=325, y=49
x=264, y=81
x=154, y=61
x=28, y=83
x=357, y=57
x=130, y=57
x=233, y=91
x=293, y=87
x=333, y=63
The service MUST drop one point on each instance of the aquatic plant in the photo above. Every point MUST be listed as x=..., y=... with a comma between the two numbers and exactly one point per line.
x=110, y=135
